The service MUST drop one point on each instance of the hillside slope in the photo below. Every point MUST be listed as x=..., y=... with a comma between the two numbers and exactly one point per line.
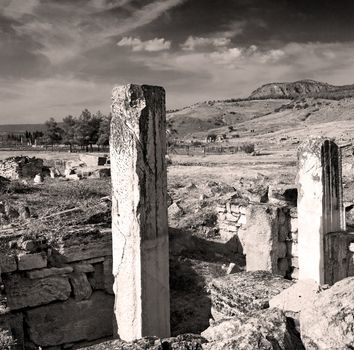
x=308, y=88
x=205, y=116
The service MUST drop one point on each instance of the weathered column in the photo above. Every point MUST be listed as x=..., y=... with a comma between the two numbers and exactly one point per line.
x=320, y=204
x=139, y=213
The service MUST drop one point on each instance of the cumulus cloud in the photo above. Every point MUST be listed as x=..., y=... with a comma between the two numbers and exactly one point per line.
x=156, y=44
x=194, y=42
x=66, y=30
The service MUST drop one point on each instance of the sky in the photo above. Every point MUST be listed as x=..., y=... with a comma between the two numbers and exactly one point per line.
x=58, y=57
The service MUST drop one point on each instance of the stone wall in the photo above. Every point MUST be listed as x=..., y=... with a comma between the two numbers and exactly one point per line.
x=15, y=168
x=57, y=295
x=265, y=232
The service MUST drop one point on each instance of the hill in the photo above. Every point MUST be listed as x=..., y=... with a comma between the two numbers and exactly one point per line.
x=205, y=116
x=301, y=88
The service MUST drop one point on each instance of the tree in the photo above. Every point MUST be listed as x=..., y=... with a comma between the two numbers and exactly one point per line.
x=53, y=133
x=104, y=130
x=68, y=127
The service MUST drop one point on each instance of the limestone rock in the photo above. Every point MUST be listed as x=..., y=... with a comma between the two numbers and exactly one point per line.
x=243, y=292
x=53, y=271
x=261, y=238
x=174, y=210
x=328, y=324
x=299, y=296
x=85, y=243
x=31, y=261
x=71, y=321
x=81, y=286
x=265, y=330
x=181, y=342
x=23, y=292
x=7, y=263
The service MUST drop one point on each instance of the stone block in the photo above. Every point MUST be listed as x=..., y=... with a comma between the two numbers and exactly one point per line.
x=235, y=209
x=23, y=292
x=85, y=243
x=298, y=297
x=85, y=268
x=220, y=209
x=7, y=263
x=71, y=321
x=31, y=261
x=80, y=286
x=53, y=271
x=261, y=238
x=243, y=292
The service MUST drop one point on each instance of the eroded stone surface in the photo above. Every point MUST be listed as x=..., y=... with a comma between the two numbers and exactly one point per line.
x=86, y=243
x=80, y=285
x=328, y=323
x=31, y=261
x=139, y=211
x=265, y=330
x=243, y=292
x=299, y=296
x=181, y=342
x=71, y=321
x=23, y=292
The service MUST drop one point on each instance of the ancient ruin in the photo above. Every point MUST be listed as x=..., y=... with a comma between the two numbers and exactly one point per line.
x=321, y=213
x=139, y=212
x=15, y=168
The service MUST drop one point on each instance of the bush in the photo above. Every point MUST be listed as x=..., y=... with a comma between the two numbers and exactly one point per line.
x=247, y=147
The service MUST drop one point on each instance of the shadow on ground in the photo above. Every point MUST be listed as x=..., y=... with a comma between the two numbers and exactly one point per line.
x=194, y=262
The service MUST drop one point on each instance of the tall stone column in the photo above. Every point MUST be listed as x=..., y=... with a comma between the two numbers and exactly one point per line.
x=139, y=212
x=320, y=205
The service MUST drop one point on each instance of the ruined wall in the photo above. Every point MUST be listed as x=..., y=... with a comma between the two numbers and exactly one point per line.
x=20, y=167
x=57, y=295
x=265, y=232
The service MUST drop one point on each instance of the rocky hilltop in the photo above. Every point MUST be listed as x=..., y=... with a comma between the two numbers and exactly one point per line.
x=309, y=88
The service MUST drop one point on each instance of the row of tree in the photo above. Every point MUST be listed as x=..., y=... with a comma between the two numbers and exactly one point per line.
x=85, y=130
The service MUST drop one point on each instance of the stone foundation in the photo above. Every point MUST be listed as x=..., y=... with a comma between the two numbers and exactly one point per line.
x=20, y=167
x=57, y=295
x=265, y=232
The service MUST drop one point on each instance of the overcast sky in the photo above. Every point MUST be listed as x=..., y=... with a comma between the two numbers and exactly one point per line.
x=60, y=56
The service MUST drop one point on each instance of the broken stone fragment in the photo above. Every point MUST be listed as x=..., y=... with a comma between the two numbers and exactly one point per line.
x=243, y=292
x=80, y=285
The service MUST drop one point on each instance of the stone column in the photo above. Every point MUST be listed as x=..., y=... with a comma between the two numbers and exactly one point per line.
x=320, y=204
x=139, y=212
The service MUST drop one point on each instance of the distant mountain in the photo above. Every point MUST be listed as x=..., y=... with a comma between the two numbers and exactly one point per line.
x=20, y=128
x=303, y=88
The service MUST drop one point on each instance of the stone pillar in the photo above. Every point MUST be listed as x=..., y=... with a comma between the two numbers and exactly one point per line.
x=139, y=212
x=320, y=204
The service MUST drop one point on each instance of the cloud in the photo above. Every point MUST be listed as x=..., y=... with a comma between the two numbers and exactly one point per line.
x=156, y=44
x=17, y=8
x=193, y=42
x=66, y=30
